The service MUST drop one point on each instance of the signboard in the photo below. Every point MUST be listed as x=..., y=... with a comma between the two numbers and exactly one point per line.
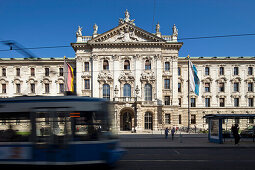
x=214, y=128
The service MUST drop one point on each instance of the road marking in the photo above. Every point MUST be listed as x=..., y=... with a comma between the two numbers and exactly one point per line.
x=178, y=153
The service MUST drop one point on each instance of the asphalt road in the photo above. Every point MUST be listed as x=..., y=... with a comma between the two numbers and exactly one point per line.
x=197, y=158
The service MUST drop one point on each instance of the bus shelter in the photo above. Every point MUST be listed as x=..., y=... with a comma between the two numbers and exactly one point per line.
x=215, y=121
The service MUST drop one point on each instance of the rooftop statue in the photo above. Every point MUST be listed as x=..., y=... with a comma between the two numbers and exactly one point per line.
x=157, y=27
x=95, y=28
x=126, y=19
x=79, y=31
x=175, y=31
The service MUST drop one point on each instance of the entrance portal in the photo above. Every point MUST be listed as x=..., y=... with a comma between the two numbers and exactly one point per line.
x=127, y=121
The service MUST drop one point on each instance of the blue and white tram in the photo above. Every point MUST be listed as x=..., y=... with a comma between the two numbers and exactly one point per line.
x=63, y=130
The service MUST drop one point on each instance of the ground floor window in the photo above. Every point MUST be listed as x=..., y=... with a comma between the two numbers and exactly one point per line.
x=193, y=119
x=167, y=118
x=148, y=121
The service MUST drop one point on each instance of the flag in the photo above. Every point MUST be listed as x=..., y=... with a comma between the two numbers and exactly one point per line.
x=68, y=76
x=194, y=81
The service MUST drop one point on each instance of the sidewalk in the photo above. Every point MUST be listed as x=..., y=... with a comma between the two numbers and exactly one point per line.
x=186, y=141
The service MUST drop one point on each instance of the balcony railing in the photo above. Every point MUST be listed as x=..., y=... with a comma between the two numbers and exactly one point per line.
x=124, y=99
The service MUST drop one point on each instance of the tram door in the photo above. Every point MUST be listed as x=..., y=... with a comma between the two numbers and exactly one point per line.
x=52, y=133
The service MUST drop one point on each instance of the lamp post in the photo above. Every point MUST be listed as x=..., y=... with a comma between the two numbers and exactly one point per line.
x=136, y=93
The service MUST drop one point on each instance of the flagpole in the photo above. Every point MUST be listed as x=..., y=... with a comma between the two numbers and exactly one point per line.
x=188, y=98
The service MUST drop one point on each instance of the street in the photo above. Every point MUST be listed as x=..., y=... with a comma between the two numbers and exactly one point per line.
x=197, y=158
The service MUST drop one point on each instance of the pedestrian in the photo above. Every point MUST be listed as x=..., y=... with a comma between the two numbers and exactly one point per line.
x=172, y=132
x=166, y=133
x=235, y=130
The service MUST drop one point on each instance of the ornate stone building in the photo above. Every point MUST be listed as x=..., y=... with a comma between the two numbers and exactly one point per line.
x=142, y=74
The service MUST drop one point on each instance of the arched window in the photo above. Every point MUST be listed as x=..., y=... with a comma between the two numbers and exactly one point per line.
x=147, y=65
x=148, y=121
x=126, y=65
x=148, y=92
x=127, y=90
x=106, y=91
x=106, y=65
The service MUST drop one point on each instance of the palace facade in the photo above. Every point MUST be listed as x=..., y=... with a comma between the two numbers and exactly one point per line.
x=144, y=77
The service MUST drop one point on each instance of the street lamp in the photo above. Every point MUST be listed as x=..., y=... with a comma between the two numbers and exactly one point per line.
x=116, y=90
x=136, y=93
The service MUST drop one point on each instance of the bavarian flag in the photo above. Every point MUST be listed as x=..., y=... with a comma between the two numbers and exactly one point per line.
x=194, y=81
x=68, y=76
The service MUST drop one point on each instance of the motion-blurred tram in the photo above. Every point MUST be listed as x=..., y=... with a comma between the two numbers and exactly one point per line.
x=63, y=130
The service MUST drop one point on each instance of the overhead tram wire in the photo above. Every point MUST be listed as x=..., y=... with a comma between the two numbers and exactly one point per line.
x=217, y=36
x=189, y=38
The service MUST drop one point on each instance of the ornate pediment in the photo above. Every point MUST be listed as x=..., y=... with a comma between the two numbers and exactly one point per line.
x=126, y=33
x=148, y=76
x=126, y=77
x=104, y=77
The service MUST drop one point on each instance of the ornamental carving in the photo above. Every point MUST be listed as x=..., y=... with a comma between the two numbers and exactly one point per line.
x=105, y=77
x=148, y=76
x=126, y=77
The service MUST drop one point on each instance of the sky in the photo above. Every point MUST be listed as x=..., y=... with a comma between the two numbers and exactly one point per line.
x=48, y=23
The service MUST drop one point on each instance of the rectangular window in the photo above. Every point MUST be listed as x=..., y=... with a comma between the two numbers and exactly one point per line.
x=207, y=71
x=222, y=102
x=61, y=72
x=221, y=87
x=207, y=102
x=87, y=84
x=251, y=120
x=32, y=71
x=86, y=66
x=236, y=70
x=180, y=101
x=167, y=84
x=193, y=119
x=61, y=88
x=193, y=102
x=3, y=88
x=167, y=119
x=250, y=70
x=180, y=119
x=4, y=72
x=17, y=88
x=179, y=71
x=167, y=100
x=17, y=71
x=237, y=121
x=250, y=87
x=32, y=88
x=250, y=101
x=47, y=71
x=47, y=88
x=236, y=102
x=179, y=87
x=221, y=70
x=167, y=66
x=207, y=87
x=236, y=87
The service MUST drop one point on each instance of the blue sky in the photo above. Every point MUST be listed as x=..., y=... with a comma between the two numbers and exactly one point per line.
x=39, y=23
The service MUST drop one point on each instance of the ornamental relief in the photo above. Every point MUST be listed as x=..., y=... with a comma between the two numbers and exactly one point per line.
x=105, y=77
x=126, y=77
x=148, y=76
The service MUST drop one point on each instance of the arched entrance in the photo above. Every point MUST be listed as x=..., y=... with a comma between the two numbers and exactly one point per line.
x=126, y=120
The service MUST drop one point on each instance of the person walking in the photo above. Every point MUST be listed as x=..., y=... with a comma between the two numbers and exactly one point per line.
x=172, y=132
x=235, y=130
x=166, y=133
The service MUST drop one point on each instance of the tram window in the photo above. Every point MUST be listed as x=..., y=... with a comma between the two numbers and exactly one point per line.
x=52, y=127
x=90, y=126
x=15, y=127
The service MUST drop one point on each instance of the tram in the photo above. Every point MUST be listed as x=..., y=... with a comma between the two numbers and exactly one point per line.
x=62, y=130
